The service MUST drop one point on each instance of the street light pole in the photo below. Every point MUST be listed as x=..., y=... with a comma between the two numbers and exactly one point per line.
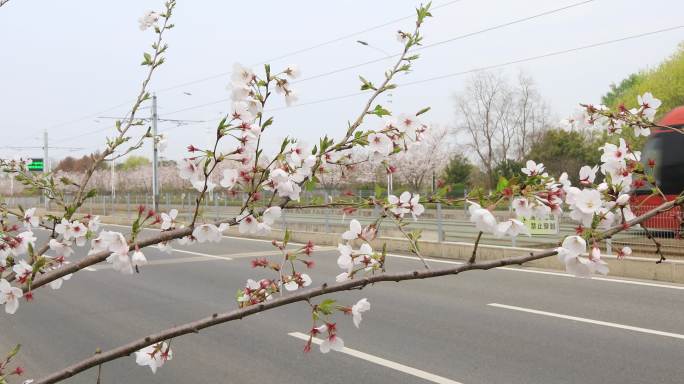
x=155, y=181
x=46, y=163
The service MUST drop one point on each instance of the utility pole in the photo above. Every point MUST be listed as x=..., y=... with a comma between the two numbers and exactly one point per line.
x=46, y=163
x=112, y=181
x=155, y=176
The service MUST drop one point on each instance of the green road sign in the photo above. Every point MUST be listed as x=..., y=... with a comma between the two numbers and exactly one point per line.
x=36, y=165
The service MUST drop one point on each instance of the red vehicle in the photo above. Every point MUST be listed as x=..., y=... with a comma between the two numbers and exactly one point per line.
x=666, y=148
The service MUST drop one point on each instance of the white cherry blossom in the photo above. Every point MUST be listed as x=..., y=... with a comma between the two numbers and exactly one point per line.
x=148, y=20
x=30, y=219
x=57, y=283
x=482, y=218
x=532, y=168
x=292, y=71
x=23, y=240
x=9, y=296
x=271, y=214
x=121, y=262
x=94, y=223
x=230, y=178
x=248, y=224
x=512, y=228
x=361, y=306
x=154, y=356
x=570, y=254
x=242, y=75
x=207, y=232
x=649, y=105
x=622, y=200
x=332, y=343
x=60, y=248
x=138, y=258
x=342, y=277
x=169, y=220
x=354, y=230
x=587, y=174
x=379, y=144
x=345, y=260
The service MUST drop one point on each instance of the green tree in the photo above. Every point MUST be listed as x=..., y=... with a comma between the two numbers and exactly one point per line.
x=563, y=151
x=666, y=82
x=133, y=162
x=507, y=168
x=458, y=170
x=617, y=92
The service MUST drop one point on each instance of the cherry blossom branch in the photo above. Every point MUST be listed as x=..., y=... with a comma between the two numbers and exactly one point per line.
x=667, y=127
x=153, y=62
x=102, y=256
x=306, y=295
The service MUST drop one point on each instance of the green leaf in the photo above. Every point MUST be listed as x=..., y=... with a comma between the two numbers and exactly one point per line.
x=379, y=191
x=40, y=263
x=14, y=351
x=326, y=306
x=365, y=84
x=266, y=123
x=286, y=238
x=422, y=111
x=502, y=184
x=147, y=59
x=380, y=111
x=310, y=185
x=91, y=193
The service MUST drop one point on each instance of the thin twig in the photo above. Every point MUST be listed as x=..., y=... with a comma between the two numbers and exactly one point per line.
x=658, y=245
x=413, y=243
x=477, y=243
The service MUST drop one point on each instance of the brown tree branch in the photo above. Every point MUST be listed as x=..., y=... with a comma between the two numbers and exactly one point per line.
x=305, y=295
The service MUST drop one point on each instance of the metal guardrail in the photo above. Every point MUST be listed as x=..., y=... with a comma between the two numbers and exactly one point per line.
x=437, y=224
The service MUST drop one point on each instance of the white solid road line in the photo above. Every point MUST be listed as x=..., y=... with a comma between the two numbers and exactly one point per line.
x=202, y=254
x=384, y=362
x=607, y=279
x=521, y=269
x=590, y=321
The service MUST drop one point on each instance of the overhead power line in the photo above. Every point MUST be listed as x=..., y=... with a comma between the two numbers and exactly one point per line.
x=292, y=53
x=307, y=49
x=420, y=48
x=493, y=66
x=149, y=118
x=99, y=130
x=459, y=37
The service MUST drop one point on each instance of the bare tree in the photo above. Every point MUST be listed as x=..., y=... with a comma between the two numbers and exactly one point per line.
x=532, y=115
x=480, y=117
x=500, y=122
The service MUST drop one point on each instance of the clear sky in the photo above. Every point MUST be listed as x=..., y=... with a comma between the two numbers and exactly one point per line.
x=63, y=60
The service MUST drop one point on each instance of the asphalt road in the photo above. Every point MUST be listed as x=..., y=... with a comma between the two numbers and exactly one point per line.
x=502, y=326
